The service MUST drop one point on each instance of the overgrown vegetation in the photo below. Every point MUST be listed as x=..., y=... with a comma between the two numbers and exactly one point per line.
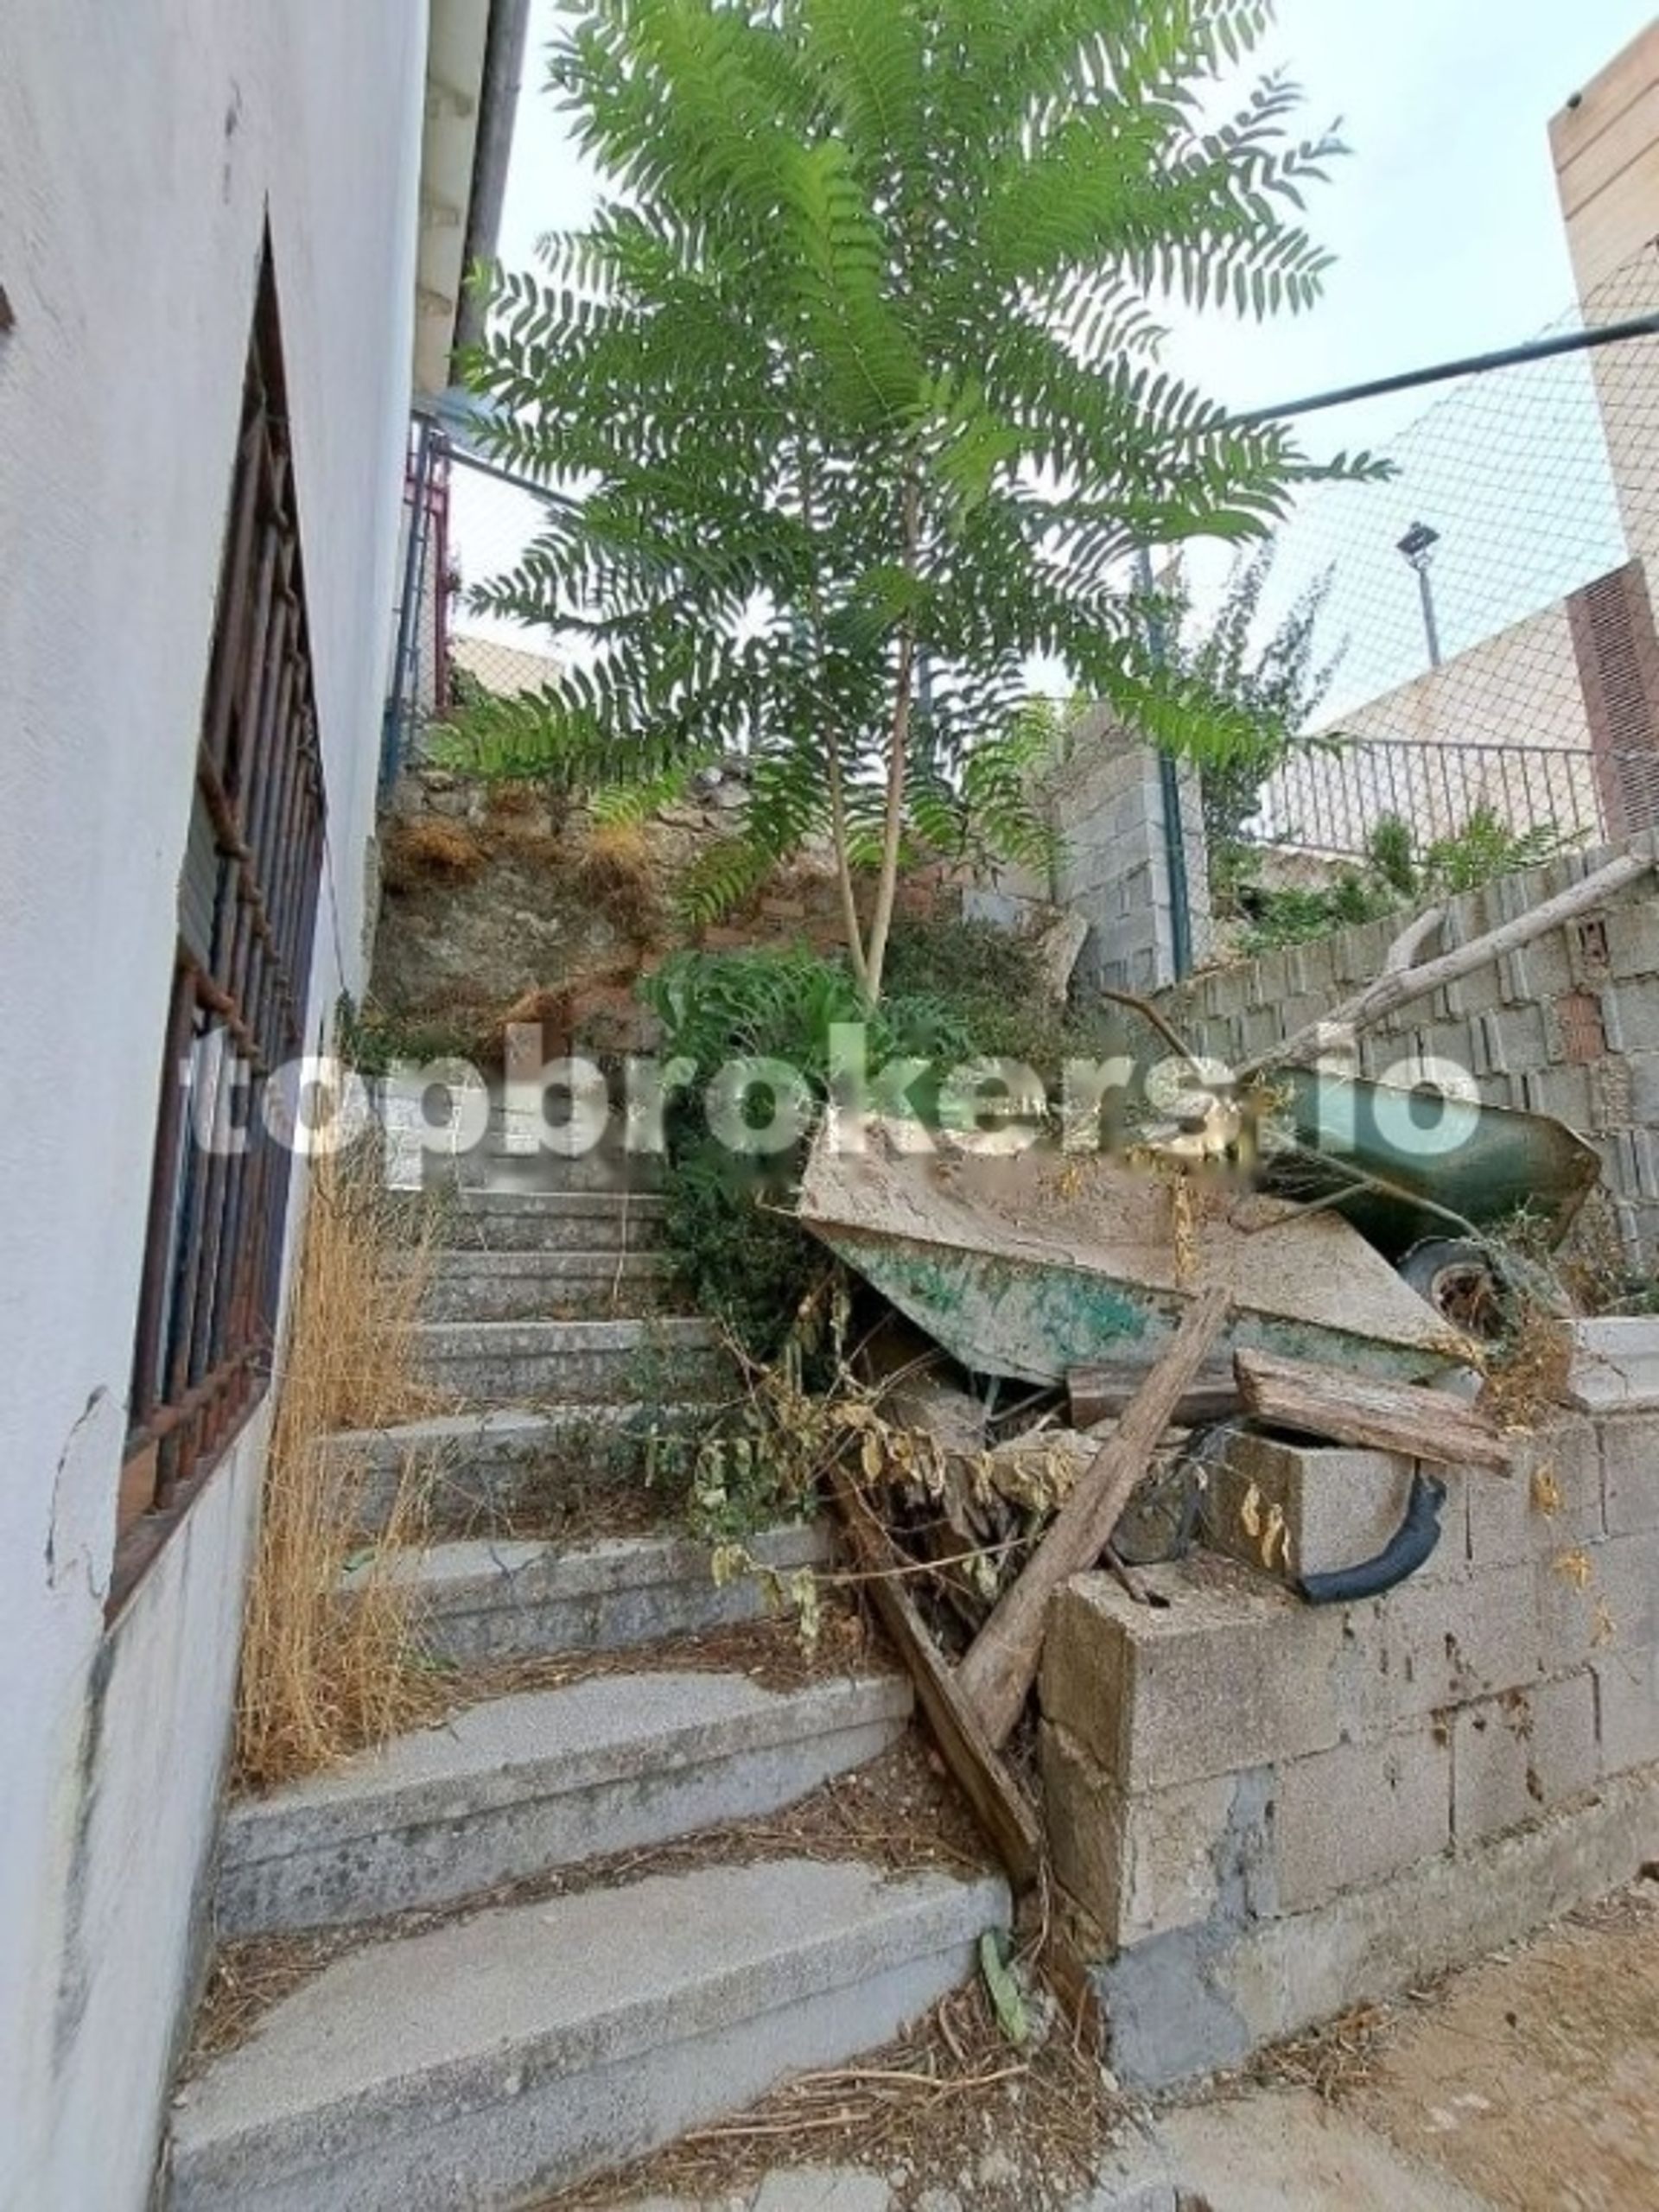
x=1281, y=683
x=956, y=991
x=1395, y=877
x=321, y=1679
x=850, y=400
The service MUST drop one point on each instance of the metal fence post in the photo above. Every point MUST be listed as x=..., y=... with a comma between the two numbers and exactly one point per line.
x=1169, y=784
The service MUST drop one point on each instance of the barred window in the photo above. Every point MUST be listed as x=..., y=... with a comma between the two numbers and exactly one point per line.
x=247, y=904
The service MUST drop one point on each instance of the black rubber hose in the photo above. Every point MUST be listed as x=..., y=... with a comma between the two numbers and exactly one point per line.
x=1414, y=1547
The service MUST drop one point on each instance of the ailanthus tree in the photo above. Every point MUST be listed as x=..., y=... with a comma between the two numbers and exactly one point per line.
x=850, y=392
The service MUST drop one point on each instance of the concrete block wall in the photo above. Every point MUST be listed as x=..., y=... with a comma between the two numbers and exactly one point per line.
x=1262, y=1813
x=1108, y=802
x=1567, y=1026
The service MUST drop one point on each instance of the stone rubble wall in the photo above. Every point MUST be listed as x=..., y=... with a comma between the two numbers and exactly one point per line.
x=1263, y=1813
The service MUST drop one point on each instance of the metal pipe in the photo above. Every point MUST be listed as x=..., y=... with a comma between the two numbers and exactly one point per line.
x=1169, y=781
x=1431, y=623
x=391, y=740
x=1474, y=364
x=504, y=58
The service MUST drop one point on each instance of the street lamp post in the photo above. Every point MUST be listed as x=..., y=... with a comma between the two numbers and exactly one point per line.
x=1418, y=545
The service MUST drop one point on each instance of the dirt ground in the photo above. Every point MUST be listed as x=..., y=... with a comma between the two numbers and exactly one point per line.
x=1534, y=2080
x=1528, y=2083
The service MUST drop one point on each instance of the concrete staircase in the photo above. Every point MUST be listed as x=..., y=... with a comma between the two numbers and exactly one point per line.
x=516, y=2047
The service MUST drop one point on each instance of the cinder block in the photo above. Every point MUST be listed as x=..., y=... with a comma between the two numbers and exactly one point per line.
x=1140, y=1864
x=1346, y=1818
x=1549, y=964
x=1642, y=1069
x=1516, y=1756
x=1232, y=1672
x=1566, y=1093
x=1515, y=977
x=1595, y=1598
x=1637, y=1004
x=1337, y=1509
x=1630, y=1456
x=1616, y=1367
x=1552, y=1500
x=1429, y=1646
x=1627, y=1695
x=1625, y=1571
x=1272, y=978
x=1480, y=992
x=1633, y=941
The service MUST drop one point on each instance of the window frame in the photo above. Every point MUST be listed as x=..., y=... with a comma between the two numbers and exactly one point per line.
x=249, y=890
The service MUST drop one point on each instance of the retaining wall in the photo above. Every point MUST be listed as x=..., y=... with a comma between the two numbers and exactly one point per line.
x=1264, y=1814
x=1568, y=1026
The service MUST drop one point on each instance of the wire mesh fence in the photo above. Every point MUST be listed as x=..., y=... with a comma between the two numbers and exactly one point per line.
x=1485, y=644
x=1485, y=631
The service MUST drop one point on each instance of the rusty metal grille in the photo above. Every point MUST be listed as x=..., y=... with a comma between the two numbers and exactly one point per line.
x=247, y=905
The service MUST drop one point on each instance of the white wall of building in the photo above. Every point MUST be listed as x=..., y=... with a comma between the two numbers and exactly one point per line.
x=142, y=145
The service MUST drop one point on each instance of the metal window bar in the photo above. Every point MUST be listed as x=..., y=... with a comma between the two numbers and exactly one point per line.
x=248, y=895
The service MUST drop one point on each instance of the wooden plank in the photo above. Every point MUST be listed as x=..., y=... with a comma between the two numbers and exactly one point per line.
x=1004, y=1815
x=1106, y=1392
x=1346, y=1407
x=998, y=1673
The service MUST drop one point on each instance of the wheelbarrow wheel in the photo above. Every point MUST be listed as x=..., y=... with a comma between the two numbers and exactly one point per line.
x=1469, y=1285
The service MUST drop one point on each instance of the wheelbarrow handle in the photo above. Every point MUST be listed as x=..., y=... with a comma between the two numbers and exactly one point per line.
x=1414, y=1546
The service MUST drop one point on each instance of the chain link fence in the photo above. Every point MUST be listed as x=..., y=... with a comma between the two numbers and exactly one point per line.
x=1484, y=627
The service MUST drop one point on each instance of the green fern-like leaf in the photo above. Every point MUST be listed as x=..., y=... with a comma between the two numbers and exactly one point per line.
x=857, y=369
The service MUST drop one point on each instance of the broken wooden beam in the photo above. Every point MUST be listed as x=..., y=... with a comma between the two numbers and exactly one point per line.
x=1000, y=1806
x=997, y=1675
x=1341, y=1407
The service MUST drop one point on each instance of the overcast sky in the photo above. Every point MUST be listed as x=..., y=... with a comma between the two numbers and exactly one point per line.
x=1445, y=221
x=1449, y=241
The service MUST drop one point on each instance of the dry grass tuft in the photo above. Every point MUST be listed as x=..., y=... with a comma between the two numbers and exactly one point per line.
x=430, y=845
x=618, y=872
x=1527, y=1379
x=514, y=801
x=321, y=1679
x=951, y=2106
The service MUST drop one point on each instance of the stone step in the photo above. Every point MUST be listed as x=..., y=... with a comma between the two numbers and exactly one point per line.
x=504, y=2056
x=505, y=1468
x=521, y=1784
x=492, y=1599
x=551, y=1221
x=572, y=1363
x=472, y=1286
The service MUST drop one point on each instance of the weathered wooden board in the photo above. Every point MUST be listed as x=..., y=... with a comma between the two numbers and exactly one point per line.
x=1009, y=1824
x=1347, y=1408
x=998, y=1673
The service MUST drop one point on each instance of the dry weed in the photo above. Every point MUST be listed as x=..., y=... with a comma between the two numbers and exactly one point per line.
x=427, y=846
x=1526, y=1379
x=618, y=872
x=321, y=1679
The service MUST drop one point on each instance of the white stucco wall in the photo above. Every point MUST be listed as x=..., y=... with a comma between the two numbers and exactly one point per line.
x=141, y=144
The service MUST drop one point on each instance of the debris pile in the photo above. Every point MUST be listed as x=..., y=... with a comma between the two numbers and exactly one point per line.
x=1062, y=1335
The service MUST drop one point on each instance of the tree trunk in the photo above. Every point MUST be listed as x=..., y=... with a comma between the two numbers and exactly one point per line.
x=897, y=763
